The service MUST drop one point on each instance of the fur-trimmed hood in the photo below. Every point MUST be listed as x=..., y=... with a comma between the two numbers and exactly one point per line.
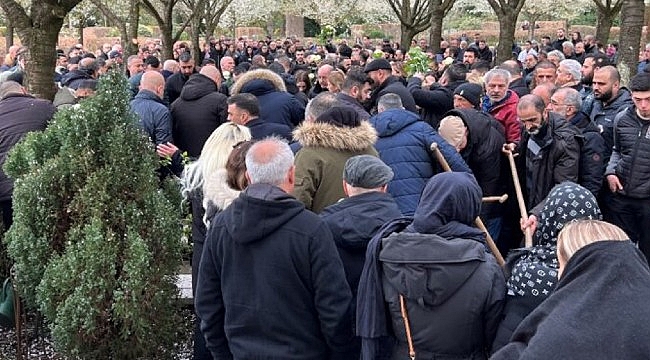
x=339, y=138
x=217, y=195
x=258, y=82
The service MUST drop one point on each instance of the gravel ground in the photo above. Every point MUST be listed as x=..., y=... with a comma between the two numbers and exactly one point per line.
x=39, y=345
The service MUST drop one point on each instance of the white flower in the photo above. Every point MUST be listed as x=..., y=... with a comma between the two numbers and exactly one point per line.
x=226, y=74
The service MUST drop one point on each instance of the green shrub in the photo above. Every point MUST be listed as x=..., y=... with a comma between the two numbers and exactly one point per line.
x=94, y=239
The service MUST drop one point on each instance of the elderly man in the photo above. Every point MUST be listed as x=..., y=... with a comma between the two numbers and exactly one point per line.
x=296, y=301
x=323, y=72
x=155, y=118
x=567, y=103
x=355, y=219
x=569, y=74
x=501, y=102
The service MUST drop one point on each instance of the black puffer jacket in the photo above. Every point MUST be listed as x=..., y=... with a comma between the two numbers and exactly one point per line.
x=592, y=153
x=603, y=116
x=435, y=101
x=483, y=155
x=199, y=110
x=558, y=159
x=631, y=156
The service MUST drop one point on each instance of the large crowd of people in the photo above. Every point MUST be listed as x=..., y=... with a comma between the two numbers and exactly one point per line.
x=334, y=195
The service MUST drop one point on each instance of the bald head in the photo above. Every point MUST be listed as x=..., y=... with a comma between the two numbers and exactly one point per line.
x=154, y=82
x=544, y=91
x=213, y=73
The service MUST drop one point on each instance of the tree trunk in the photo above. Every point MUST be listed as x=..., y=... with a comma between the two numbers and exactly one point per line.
x=9, y=36
x=531, y=30
x=195, y=34
x=507, y=24
x=131, y=48
x=435, y=32
x=406, y=37
x=40, y=62
x=632, y=14
x=168, y=43
x=294, y=25
x=603, y=25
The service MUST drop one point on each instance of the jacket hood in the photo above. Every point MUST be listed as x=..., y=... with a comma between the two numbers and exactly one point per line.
x=259, y=211
x=258, y=82
x=74, y=75
x=217, y=195
x=198, y=86
x=392, y=121
x=339, y=138
x=428, y=268
x=477, y=122
x=355, y=220
x=622, y=98
x=449, y=204
x=149, y=95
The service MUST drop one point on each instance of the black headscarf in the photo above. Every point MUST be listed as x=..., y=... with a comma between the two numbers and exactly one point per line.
x=449, y=204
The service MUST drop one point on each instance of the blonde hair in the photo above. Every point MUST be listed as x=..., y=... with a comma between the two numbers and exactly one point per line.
x=578, y=234
x=214, y=156
x=336, y=78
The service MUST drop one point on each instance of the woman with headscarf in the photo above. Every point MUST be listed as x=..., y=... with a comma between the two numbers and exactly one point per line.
x=533, y=271
x=438, y=265
x=599, y=309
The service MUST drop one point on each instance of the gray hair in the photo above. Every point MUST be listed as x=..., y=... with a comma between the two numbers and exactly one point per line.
x=556, y=53
x=571, y=97
x=497, y=73
x=268, y=161
x=390, y=101
x=568, y=44
x=318, y=105
x=10, y=87
x=573, y=67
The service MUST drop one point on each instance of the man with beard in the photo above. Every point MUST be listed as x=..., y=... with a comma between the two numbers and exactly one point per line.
x=175, y=83
x=355, y=92
x=380, y=71
x=557, y=44
x=590, y=63
x=501, y=102
x=610, y=98
x=549, y=149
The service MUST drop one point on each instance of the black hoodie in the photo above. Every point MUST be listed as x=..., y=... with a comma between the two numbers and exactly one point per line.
x=199, y=110
x=271, y=284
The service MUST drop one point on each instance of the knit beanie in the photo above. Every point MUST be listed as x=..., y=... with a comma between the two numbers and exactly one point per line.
x=471, y=92
x=452, y=129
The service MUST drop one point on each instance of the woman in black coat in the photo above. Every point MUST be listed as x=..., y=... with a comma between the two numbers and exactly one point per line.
x=452, y=287
x=599, y=309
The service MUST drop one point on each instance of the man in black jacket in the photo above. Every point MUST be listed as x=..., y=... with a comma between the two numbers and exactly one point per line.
x=199, y=110
x=567, y=102
x=380, y=70
x=174, y=84
x=628, y=172
x=438, y=98
x=549, y=149
x=271, y=284
x=20, y=113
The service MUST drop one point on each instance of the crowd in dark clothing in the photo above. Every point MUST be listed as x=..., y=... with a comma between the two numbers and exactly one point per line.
x=324, y=262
